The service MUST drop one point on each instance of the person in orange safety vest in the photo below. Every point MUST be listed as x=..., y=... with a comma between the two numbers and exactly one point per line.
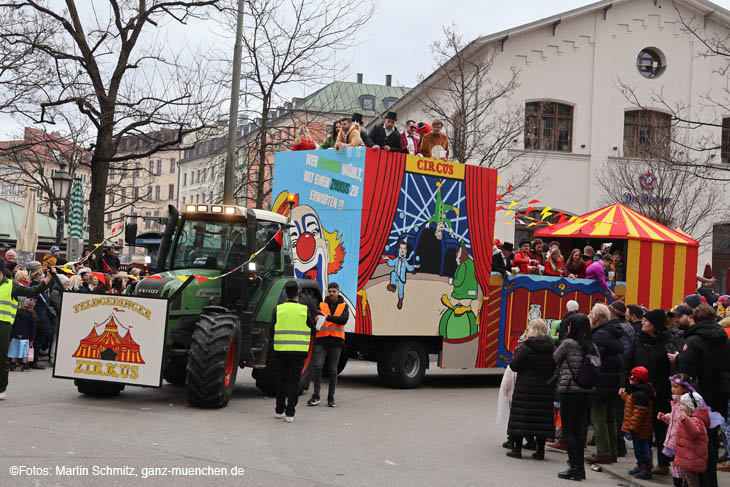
x=329, y=341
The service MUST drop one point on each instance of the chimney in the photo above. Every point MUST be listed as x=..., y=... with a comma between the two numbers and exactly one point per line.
x=359, y=78
x=388, y=79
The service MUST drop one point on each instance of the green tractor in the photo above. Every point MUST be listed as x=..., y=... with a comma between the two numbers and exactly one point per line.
x=216, y=326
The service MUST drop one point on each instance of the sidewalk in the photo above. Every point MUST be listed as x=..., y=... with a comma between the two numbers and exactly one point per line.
x=620, y=470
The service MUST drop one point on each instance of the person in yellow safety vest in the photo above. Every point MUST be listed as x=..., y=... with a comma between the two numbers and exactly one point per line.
x=9, y=293
x=329, y=342
x=292, y=335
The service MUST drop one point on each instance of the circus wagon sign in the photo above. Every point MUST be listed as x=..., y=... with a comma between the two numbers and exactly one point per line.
x=111, y=338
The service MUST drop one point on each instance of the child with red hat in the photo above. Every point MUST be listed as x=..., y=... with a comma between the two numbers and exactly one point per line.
x=638, y=420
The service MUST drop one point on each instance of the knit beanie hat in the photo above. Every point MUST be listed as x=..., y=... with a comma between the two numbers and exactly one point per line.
x=693, y=300
x=572, y=305
x=692, y=400
x=619, y=308
x=658, y=318
x=639, y=374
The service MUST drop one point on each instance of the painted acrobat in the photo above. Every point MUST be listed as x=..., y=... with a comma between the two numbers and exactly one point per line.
x=400, y=265
x=439, y=213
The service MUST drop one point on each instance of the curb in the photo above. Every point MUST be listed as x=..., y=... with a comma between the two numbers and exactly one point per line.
x=620, y=469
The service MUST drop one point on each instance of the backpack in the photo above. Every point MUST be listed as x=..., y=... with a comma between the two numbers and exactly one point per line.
x=590, y=370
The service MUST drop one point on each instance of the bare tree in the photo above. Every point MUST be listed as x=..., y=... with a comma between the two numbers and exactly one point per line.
x=27, y=160
x=108, y=62
x=478, y=106
x=662, y=191
x=288, y=43
x=696, y=125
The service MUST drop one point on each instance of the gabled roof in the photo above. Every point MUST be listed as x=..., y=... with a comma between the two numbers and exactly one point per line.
x=705, y=7
x=616, y=221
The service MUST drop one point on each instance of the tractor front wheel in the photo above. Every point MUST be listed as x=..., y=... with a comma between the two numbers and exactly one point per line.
x=98, y=388
x=213, y=360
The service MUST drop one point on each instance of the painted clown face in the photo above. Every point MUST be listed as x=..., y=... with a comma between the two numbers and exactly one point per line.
x=311, y=249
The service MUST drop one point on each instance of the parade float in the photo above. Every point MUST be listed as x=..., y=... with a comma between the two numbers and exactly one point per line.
x=409, y=241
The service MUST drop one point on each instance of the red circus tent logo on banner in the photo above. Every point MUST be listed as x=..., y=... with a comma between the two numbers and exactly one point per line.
x=110, y=345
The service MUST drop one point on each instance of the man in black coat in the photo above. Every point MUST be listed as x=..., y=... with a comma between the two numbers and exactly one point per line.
x=110, y=262
x=706, y=356
x=386, y=136
x=651, y=350
x=502, y=260
x=607, y=335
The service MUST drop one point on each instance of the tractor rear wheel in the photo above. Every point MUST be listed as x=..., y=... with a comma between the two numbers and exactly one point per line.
x=213, y=360
x=98, y=388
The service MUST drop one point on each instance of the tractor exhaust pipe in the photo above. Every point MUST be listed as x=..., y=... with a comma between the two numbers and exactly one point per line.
x=166, y=241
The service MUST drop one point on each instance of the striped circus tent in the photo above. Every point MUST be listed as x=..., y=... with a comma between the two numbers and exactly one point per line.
x=122, y=349
x=76, y=211
x=661, y=263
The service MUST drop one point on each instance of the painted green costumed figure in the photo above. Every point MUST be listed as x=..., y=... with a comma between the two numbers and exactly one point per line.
x=459, y=321
x=440, y=210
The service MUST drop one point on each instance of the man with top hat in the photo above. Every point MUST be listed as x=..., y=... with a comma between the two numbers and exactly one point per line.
x=386, y=136
x=351, y=133
x=292, y=333
x=502, y=260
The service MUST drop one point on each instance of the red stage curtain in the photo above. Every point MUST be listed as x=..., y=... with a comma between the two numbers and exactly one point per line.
x=481, y=194
x=383, y=177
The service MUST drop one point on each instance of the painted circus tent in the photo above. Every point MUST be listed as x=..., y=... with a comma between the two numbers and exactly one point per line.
x=409, y=241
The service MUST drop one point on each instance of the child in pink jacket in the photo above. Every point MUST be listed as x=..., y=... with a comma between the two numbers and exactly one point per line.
x=681, y=384
x=691, y=445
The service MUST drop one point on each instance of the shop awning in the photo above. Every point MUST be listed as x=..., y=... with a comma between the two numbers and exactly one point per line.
x=616, y=222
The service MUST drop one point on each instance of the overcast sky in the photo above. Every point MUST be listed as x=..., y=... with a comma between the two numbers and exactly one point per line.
x=398, y=38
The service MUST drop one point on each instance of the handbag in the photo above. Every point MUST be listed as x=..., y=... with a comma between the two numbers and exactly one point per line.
x=590, y=370
x=31, y=354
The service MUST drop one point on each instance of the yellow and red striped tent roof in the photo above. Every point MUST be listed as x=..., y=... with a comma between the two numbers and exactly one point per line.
x=616, y=222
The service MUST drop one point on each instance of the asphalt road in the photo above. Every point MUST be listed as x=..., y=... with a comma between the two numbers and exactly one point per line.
x=443, y=433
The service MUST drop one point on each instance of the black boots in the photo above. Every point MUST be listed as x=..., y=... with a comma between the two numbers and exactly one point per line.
x=514, y=453
x=573, y=473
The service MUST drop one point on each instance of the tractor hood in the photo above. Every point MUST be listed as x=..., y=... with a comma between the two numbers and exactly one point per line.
x=165, y=283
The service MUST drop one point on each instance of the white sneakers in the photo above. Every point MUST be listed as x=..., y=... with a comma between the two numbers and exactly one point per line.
x=2, y=396
x=288, y=419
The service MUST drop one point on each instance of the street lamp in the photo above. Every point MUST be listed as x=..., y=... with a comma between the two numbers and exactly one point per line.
x=61, y=184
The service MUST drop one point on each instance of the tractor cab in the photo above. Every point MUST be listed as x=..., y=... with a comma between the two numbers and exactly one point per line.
x=250, y=246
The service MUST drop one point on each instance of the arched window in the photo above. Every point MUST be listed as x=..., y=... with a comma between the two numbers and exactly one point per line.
x=647, y=134
x=548, y=126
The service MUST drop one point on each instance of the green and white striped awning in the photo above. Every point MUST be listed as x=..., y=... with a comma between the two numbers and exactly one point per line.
x=76, y=211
